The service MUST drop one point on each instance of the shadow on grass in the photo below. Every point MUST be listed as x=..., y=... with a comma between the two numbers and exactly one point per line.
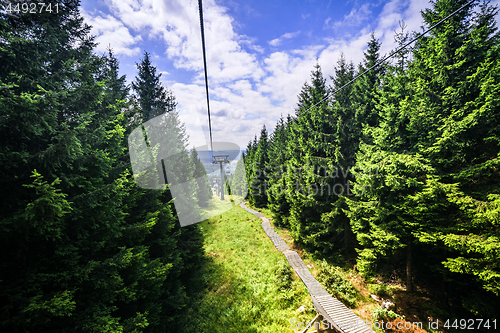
x=222, y=304
x=240, y=287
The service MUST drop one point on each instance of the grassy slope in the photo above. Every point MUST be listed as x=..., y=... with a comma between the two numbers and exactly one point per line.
x=242, y=292
x=416, y=307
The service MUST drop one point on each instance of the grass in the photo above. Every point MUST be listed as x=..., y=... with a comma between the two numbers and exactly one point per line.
x=339, y=277
x=249, y=286
x=217, y=207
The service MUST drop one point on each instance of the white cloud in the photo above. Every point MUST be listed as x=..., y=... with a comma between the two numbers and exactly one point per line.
x=248, y=88
x=230, y=109
x=110, y=31
x=279, y=40
x=251, y=43
x=355, y=17
x=177, y=23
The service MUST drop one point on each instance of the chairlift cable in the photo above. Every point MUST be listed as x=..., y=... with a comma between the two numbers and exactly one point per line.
x=200, y=5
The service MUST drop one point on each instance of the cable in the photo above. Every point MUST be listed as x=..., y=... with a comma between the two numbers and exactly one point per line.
x=200, y=5
x=391, y=55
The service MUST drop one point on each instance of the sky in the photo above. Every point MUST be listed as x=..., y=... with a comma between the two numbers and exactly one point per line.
x=259, y=52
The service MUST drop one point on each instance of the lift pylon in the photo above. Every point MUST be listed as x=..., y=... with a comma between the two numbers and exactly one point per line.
x=221, y=159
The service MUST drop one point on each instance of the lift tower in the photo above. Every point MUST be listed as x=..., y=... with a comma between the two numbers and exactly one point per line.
x=221, y=159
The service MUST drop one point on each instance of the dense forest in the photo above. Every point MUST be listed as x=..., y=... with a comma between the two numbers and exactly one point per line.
x=82, y=247
x=401, y=169
x=398, y=172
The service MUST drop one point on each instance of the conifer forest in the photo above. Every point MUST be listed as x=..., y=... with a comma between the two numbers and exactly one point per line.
x=396, y=173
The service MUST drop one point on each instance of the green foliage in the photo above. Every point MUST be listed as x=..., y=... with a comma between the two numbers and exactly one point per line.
x=288, y=291
x=417, y=143
x=430, y=156
x=203, y=189
x=382, y=290
x=381, y=313
x=154, y=99
x=45, y=212
x=239, y=183
x=311, y=155
x=337, y=286
x=258, y=179
x=82, y=248
x=284, y=276
x=277, y=194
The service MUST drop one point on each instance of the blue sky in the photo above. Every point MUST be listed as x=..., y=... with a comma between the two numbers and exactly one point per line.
x=259, y=53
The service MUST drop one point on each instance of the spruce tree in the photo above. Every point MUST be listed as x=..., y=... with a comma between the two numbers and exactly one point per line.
x=82, y=247
x=203, y=189
x=239, y=184
x=365, y=89
x=259, y=185
x=276, y=194
x=249, y=162
x=435, y=118
x=154, y=99
x=115, y=88
x=310, y=156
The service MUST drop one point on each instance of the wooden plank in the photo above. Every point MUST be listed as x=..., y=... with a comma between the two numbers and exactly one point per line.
x=311, y=324
x=328, y=307
x=361, y=328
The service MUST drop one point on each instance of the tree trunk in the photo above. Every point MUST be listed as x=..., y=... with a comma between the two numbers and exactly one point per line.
x=409, y=284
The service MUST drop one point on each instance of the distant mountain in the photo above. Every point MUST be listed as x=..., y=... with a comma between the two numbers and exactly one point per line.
x=206, y=159
x=220, y=148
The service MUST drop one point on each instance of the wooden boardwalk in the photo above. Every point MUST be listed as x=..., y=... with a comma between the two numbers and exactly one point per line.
x=341, y=318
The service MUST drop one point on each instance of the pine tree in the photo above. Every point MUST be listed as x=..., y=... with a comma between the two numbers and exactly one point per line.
x=310, y=157
x=276, y=194
x=239, y=184
x=435, y=116
x=364, y=91
x=249, y=162
x=115, y=88
x=203, y=189
x=464, y=146
x=258, y=185
x=154, y=99
x=82, y=247
x=313, y=93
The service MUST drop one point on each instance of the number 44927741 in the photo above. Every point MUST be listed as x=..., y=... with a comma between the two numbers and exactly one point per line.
x=471, y=324
x=32, y=8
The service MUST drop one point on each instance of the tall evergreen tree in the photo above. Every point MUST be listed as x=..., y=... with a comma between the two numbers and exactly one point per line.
x=276, y=194
x=258, y=185
x=311, y=188
x=249, y=162
x=365, y=89
x=435, y=118
x=313, y=93
x=115, y=88
x=82, y=247
x=154, y=99
x=203, y=189
x=239, y=183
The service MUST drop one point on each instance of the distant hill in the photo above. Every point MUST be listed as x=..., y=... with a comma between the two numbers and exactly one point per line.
x=206, y=159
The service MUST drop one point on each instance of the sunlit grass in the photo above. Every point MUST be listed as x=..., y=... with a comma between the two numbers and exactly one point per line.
x=243, y=274
x=216, y=207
